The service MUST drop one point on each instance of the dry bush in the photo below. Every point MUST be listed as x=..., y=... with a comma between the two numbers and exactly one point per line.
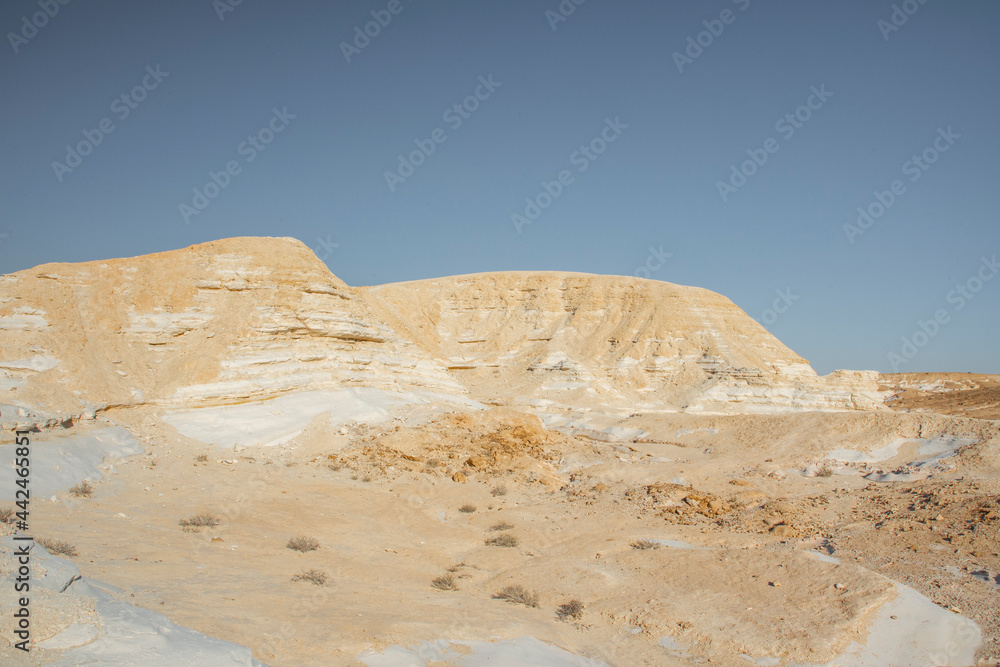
x=644, y=544
x=82, y=490
x=505, y=540
x=467, y=509
x=302, y=543
x=318, y=577
x=517, y=595
x=57, y=547
x=201, y=458
x=6, y=515
x=200, y=521
x=503, y=525
x=445, y=583
x=572, y=609
x=499, y=490
x=825, y=471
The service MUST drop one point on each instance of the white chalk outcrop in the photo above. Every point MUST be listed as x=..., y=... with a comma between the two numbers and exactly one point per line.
x=79, y=621
x=613, y=341
x=255, y=318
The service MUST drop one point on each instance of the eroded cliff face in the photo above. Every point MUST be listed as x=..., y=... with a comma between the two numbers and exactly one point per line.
x=214, y=323
x=252, y=318
x=614, y=341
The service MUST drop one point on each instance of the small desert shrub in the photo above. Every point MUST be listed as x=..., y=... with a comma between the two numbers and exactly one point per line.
x=200, y=521
x=82, y=490
x=201, y=458
x=644, y=544
x=572, y=609
x=467, y=509
x=445, y=583
x=505, y=540
x=302, y=543
x=499, y=490
x=366, y=478
x=517, y=595
x=57, y=547
x=503, y=525
x=6, y=515
x=825, y=471
x=318, y=577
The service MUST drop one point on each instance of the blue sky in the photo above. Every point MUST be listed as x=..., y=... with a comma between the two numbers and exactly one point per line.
x=653, y=134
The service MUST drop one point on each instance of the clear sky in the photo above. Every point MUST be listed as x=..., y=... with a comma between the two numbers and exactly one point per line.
x=726, y=144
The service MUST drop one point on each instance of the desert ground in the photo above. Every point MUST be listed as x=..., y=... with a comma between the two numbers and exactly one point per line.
x=470, y=471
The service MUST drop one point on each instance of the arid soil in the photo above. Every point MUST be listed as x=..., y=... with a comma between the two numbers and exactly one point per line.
x=961, y=394
x=421, y=524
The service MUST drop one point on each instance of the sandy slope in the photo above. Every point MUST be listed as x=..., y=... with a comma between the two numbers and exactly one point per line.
x=384, y=505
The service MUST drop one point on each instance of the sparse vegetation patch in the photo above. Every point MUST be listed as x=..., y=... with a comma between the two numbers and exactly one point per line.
x=57, y=547
x=303, y=543
x=517, y=595
x=572, y=609
x=82, y=490
x=200, y=521
x=505, y=540
x=318, y=577
x=644, y=544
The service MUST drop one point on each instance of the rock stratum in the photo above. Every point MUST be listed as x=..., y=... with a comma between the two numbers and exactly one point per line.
x=255, y=318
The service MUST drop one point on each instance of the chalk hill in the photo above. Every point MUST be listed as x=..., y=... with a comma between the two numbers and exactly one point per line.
x=247, y=318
